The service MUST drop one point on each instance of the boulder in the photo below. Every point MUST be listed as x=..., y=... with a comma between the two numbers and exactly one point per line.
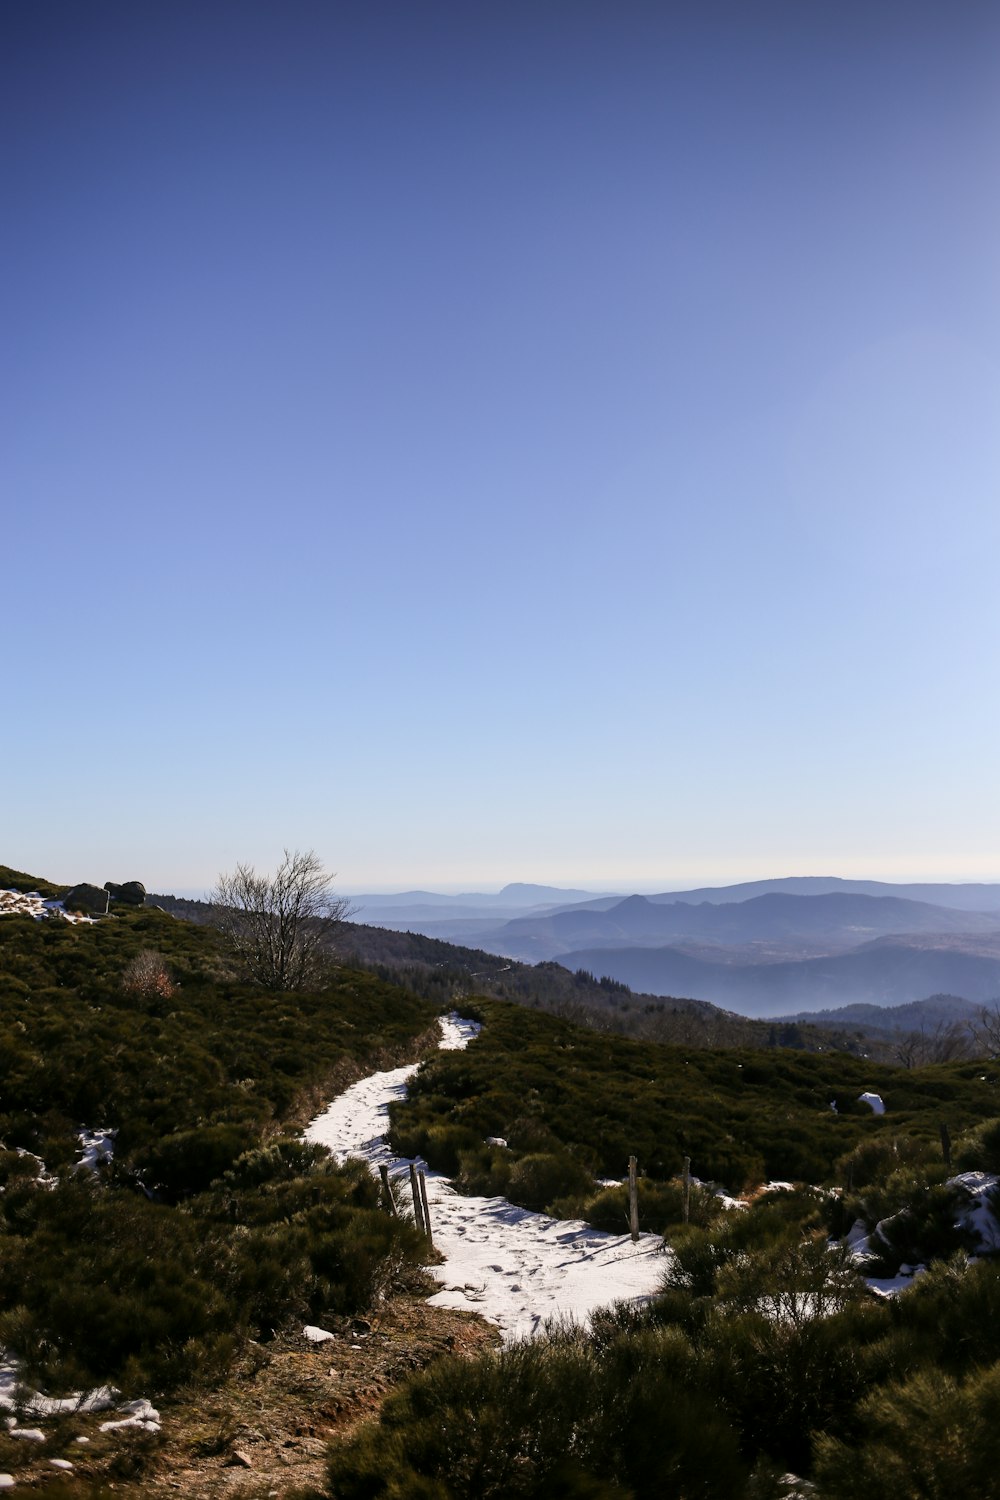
x=87, y=898
x=132, y=893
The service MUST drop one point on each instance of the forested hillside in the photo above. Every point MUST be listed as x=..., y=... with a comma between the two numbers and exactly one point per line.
x=449, y=974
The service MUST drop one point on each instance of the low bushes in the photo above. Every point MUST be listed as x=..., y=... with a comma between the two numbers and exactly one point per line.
x=208, y=1227
x=979, y=1151
x=102, y=1284
x=557, y=1417
x=764, y=1355
x=546, y=1086
x=929, y=1436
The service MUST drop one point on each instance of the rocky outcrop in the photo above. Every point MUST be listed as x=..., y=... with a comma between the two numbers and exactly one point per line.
x=87, y=898
x=132, y=893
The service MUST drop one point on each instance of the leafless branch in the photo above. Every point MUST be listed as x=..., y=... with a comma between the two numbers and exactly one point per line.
x=283, y=925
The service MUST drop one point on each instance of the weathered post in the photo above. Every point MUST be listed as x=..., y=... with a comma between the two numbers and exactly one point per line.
x=426, y=1208
x=418, y=1208
x=633, y=1200
x=687, y=1188
x=390, y=1202
x=945, y=1144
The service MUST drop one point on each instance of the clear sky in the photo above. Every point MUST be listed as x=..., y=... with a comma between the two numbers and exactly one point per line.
x=543, y=441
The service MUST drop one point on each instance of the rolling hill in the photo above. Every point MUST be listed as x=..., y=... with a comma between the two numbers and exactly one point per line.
x=888, y=971
x=829, y=922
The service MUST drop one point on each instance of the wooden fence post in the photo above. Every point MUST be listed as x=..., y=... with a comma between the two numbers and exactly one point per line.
x=945, y=1144
x=633, y=1201
x=687, y=1188
x=426, y=1209
x=418, y=1209
x=390, y=1202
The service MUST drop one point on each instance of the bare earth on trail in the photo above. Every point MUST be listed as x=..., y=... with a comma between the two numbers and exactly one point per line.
x=265, y=1432
x=277, y=1426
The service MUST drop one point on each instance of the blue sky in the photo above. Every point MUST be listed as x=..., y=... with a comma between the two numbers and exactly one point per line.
x=482, y=442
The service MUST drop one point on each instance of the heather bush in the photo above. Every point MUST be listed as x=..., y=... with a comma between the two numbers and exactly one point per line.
x=538, y=1180
x=872, y=1161
x=929, y=1438
x=661, y=1206
x=553, y=1417
x=776, y=1223
x=542, y=1084
x=99, y=1283
x=187, y=1161
x=979, y=1150
x=913, y=1218
x=485, y=1171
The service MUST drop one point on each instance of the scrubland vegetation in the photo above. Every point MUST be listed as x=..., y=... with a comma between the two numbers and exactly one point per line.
x=570, y=1102
x=764, y=1355
x=215, y=1225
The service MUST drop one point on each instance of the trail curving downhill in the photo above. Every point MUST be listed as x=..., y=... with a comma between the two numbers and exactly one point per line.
x=516, y=1268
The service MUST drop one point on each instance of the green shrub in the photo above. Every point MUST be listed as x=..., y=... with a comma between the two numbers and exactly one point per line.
x=107, y=1283
x=186, y=1162
x=279, y=1161
x=929, y=1438
x=874, y=1161
x=661, y=1206
x=536, y=1181
x=547, y=1418
x=485, y=1171
x=951, y=1315
x=979, y=1150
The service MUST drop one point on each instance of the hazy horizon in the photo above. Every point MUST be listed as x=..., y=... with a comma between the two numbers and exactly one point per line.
x=487, y=886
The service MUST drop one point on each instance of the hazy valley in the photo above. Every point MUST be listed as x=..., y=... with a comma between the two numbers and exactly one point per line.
x=765, y=948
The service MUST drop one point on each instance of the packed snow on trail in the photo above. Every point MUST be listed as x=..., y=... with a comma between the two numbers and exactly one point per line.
x=516, y=1268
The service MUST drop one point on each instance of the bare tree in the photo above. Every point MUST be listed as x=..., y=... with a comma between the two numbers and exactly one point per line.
x=282, y=925
x=948, y=1041
x=986, y=1030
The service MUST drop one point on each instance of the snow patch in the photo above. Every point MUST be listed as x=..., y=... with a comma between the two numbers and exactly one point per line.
x=518, y=1269
x=316, y=1335
x=140, y=1414
x=16, y=904
x=16, y=1398
x=977, y=1214
x=96, y=1147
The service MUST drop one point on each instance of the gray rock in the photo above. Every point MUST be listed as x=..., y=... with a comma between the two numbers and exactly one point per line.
x=132, y=893
x=87, y=898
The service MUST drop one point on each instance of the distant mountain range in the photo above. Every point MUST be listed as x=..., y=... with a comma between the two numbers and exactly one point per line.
x=838, y=920
x=769, y=947
x=877, y=1020
x=407, y=908
x=889, y=971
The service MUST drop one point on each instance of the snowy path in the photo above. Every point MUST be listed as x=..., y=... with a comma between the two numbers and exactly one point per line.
x=515, y=1268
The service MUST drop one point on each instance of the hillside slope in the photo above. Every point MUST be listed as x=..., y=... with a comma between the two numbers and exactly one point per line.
x=888, y=971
